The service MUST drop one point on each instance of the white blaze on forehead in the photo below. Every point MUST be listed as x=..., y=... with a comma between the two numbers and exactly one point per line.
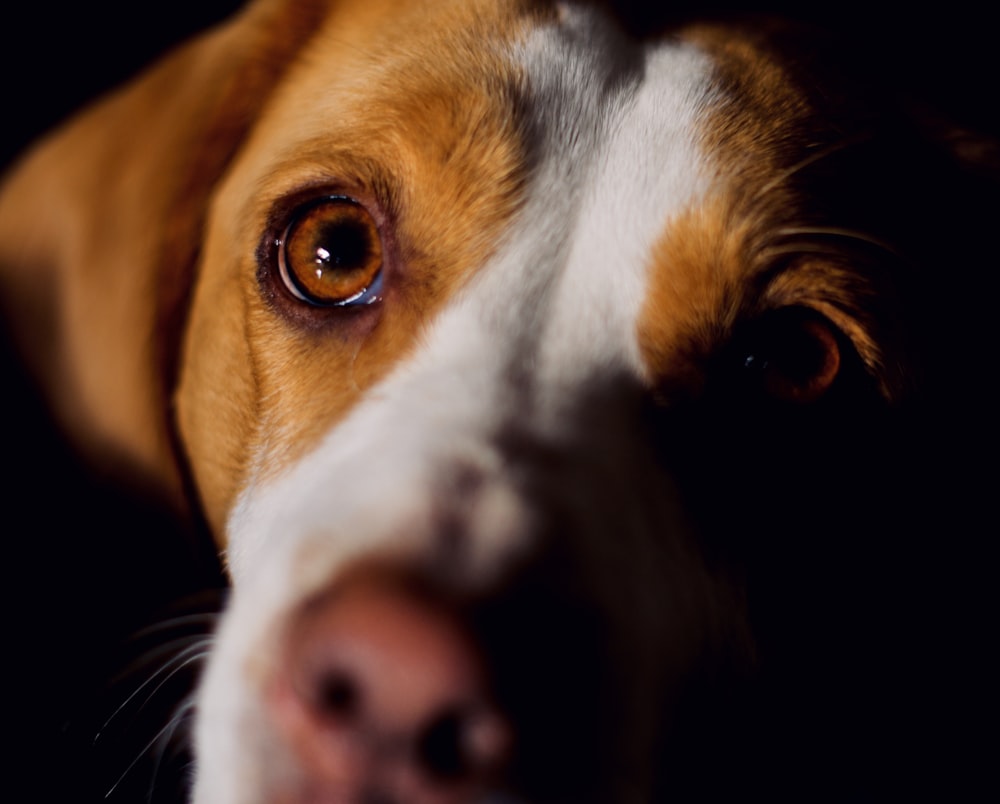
x=635, y=164
x=612, y=129
x=613, y=137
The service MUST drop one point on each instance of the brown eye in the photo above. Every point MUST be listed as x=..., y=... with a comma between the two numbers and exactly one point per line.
x=794, y=357
x=330, y=255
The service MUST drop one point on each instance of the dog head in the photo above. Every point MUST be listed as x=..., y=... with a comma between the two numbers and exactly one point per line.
x=541, y=383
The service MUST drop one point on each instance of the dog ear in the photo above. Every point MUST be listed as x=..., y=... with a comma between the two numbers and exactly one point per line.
x=100, y=228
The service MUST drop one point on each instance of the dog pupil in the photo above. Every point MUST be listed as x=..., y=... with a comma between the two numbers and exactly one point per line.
x=342, y=244
x=800, y=358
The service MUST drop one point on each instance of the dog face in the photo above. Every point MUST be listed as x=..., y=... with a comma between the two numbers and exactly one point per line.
x=505, y=352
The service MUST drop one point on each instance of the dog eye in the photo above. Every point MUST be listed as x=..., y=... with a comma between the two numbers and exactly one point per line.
x=793, y=356
x=330, y=255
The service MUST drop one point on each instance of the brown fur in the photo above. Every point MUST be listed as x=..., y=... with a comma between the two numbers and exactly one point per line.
x=130, y=269
x=274, y=398
x=127, y=190
x=746, y=250
x=124, y=190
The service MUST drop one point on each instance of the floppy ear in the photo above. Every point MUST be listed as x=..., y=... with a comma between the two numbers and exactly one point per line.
x=100, y=228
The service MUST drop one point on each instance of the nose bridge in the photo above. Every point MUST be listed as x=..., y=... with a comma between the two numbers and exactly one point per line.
x=617, y=158
x=615, y=151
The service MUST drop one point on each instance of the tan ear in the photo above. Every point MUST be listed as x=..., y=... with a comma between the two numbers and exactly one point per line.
x=100, y=229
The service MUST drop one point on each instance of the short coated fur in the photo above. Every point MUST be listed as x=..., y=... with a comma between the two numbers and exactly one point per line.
x=593, y=376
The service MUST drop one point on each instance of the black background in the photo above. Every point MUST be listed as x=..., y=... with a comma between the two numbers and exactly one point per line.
x=57, y=55
x=83, y=568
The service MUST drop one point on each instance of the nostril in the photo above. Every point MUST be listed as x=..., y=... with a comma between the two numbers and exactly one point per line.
x=462, y=744
x=441, y=749
x=338, y=696
x=383, y=690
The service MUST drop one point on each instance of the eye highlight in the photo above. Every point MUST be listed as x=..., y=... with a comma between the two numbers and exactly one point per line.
x=795, y=357
x=331, y=255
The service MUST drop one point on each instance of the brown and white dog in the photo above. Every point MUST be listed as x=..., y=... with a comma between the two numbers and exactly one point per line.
x=543, y=383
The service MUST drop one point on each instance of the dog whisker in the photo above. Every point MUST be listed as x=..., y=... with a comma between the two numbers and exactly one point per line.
x=202, y=620
x=163, y=734
x=188, y=657
x=165, y=652
x=185, y=712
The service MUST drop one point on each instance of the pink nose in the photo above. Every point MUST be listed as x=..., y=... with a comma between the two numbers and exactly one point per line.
x=383, y=698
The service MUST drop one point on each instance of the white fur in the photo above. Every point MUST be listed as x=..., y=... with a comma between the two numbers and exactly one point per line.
x=553, y=313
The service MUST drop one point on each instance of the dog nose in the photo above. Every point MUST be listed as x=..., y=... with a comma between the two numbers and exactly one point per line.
x=382, y=697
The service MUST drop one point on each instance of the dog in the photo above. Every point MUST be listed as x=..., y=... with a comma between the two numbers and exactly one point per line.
x=560, y=394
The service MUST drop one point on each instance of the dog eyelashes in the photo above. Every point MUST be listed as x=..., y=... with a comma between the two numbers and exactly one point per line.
x=330, y=254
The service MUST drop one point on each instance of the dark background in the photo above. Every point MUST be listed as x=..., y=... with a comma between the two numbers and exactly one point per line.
x=56, y=55
x=86, y=567
x=83, y=567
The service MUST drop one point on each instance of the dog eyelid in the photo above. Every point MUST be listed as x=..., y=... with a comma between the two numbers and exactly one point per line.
x=330, y=254
x=795, y=357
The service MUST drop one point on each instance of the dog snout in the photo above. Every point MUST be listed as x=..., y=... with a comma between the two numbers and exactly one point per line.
x=383, y=697
x=496, y=629
x=398, y=684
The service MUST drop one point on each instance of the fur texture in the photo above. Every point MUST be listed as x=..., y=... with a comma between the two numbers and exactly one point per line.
x=650, y=389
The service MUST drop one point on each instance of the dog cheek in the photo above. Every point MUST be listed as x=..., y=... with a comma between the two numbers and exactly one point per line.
x=215, y=398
